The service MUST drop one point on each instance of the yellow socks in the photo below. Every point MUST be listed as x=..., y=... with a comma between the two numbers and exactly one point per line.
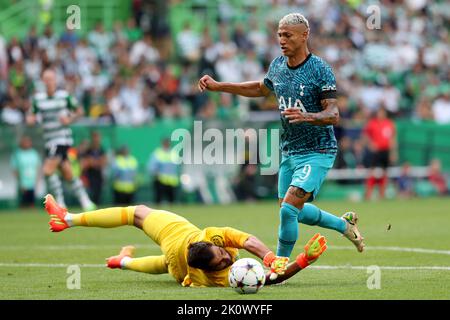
x=150, y=264
x=104, y=218
x=115, y=217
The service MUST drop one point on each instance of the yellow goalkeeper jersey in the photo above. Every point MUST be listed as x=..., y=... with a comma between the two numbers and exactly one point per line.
x=174, y=234
x=228, y=238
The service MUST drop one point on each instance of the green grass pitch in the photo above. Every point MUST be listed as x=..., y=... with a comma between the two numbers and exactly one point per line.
x=33, y=261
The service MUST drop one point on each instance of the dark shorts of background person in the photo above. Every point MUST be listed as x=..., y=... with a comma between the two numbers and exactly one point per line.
x=123, y=198
x=57, y=151
x=380, y=159
x=27, y=198
x=163, y=192
x=95, y=185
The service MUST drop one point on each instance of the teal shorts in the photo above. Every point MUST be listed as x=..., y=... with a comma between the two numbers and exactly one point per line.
x=304, y=171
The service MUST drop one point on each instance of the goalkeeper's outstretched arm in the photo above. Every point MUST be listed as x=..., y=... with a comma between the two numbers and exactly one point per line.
x=312, y=251
x=292, y=269
x=256, y=247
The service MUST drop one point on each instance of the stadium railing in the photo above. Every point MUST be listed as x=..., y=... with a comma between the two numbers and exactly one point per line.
x=362, y=173
x=418, y=144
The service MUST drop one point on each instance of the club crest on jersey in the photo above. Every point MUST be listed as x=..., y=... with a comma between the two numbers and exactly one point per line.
x=218, y=240
x=301, y=89
x=282, y=105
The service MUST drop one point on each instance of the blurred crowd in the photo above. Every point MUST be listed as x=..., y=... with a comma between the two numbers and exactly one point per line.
x=139, y=71
x=144, y=68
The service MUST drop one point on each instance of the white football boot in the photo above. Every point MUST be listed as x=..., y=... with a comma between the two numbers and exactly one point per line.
x=352, y=233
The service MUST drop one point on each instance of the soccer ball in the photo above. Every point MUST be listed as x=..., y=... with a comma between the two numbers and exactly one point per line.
x=246, y=276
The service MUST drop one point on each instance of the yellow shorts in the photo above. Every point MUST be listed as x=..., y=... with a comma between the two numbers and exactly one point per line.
x=171, y=232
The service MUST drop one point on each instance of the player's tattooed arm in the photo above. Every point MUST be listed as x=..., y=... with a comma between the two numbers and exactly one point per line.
x=329, y=115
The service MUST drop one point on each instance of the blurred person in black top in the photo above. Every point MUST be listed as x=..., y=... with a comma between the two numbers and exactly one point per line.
x=245, y=183
x=345, y=158
x=93, y=161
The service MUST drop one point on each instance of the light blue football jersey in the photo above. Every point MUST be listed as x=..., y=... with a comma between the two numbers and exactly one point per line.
x=303, y=86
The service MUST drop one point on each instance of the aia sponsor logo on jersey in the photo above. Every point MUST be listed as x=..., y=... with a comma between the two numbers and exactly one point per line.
x=289, y=103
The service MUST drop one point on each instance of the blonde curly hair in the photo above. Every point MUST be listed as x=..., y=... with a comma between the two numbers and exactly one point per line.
x=293, y=19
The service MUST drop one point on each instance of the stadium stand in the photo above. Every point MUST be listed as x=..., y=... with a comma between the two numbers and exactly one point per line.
x=134, y=65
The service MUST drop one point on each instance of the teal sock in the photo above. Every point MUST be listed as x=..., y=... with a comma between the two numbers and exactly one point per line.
x=311, y=215
x=288, y=230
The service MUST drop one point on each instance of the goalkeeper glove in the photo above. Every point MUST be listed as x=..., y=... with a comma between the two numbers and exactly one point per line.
x=313, y=249
x=276, y=264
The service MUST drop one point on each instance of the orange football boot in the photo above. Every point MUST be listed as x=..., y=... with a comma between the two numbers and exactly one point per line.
x=114, y=261
x=56, y=213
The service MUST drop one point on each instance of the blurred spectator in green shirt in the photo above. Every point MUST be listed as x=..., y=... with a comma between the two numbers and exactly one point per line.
x=26, y=164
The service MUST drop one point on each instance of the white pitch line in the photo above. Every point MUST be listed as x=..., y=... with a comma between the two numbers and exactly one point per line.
x=51, y=265
x=319, y=267
x=153, y=245
x=401, y=249
x=445, y=268
x=75, y=247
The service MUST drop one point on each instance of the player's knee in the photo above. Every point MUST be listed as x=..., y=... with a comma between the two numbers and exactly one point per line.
x=296, y=197
x=50, y=166
x=48, y=170
x=288, y=212
x=67, y=174
x=140, y=213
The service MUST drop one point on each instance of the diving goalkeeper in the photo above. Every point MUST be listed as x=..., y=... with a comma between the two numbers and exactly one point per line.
x=194, y=257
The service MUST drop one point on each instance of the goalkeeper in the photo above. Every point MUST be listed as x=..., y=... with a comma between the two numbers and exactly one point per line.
x=194, y=257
